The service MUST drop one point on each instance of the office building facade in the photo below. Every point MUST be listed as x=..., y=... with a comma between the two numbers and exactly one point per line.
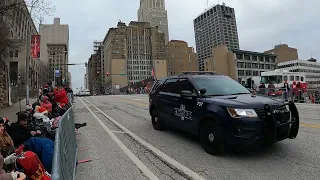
x=131, y=52
x=180, y=57
x=13, y=75
x=216, y=26
x=155, y=13
x=311, y=68
x=54, y=49
x=284, y=53
x=240, y=64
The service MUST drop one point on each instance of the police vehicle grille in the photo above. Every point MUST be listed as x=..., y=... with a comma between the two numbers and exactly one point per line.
x=262, y=113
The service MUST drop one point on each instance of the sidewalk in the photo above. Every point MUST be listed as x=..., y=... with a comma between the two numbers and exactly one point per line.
x=10, y=112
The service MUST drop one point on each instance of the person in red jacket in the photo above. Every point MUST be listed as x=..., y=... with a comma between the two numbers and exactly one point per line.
x=61, y=96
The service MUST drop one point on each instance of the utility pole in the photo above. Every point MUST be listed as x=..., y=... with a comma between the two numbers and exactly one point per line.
x=27, y=66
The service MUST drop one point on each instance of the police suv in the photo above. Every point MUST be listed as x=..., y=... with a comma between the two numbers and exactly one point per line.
x=220, y=111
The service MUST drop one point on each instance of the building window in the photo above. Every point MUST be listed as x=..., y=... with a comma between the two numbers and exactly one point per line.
x=291, y=78
x=16, y=53
x=261, y=59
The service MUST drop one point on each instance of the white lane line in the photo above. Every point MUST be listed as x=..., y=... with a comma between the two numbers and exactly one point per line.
x=138, y=99
x=170, y=161
x=133, y=158
x=119, y=132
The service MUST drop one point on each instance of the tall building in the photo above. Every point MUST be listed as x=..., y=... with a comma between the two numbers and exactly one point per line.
x=240, y=64
x=130, y=53
x=13, y=73
x=214, y=27
x=180, y=57
x=155, y=13
x=94, y=76
x=54, y=49
x=284, y=53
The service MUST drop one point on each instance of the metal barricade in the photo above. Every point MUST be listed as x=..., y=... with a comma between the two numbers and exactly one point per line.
x=65, y=148
x=70, y=97
x=297, y=95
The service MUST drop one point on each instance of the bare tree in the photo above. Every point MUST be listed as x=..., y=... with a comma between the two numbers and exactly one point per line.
x=9, y=11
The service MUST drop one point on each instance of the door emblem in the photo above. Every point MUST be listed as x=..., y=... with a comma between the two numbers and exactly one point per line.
x=183, y=113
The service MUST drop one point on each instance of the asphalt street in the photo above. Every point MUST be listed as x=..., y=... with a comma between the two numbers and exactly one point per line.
x=121, y=141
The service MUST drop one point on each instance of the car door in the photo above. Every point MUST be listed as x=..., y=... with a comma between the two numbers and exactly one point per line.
x=168, y=95
x=188, y=109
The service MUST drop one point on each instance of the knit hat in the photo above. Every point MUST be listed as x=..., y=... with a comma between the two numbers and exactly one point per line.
x=43, y=110
x=23, y=116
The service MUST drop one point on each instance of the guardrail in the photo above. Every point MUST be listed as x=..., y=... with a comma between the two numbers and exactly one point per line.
x=297, y=95
x=65, y=148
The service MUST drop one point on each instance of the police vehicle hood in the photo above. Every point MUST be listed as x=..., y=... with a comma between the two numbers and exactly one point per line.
x=246, y=101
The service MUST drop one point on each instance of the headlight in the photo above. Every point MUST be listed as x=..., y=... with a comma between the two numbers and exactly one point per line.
x=238, y=113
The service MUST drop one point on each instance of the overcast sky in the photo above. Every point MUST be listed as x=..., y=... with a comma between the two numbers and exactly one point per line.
x=261, y=24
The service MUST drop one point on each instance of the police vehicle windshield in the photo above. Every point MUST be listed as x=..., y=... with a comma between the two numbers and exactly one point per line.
x=220, y=86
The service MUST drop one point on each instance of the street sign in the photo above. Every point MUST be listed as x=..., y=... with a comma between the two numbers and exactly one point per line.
x=57, y=72
x=122, y=74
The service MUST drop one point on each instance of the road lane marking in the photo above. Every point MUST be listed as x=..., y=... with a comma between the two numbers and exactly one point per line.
x=119, y=132
x=124, y=148
x=317, y=126
x=190, y=174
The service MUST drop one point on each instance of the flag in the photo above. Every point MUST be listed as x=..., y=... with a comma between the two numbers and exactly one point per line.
x=35, y=46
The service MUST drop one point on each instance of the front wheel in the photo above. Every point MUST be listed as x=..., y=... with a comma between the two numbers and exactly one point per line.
x=211, y=138
x=156, y=121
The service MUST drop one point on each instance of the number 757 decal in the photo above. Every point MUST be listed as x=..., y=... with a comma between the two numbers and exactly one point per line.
x=199, y=104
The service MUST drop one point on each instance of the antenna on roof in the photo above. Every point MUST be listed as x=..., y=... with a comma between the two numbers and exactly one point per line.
x=207, y=3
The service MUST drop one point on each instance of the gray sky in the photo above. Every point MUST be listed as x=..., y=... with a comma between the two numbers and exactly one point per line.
x=261, y=24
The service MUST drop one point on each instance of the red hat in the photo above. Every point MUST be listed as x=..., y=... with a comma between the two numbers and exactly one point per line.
x=43, y=110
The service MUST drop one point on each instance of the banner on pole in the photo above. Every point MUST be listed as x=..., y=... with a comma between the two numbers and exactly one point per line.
x=35, y=46
x=57, y=72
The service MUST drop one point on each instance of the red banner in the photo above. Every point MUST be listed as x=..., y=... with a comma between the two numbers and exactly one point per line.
x=35, y=46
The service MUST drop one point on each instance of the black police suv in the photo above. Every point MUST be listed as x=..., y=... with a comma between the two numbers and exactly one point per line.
x=220, y=111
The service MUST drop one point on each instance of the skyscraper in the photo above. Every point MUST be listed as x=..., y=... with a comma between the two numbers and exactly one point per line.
x=216, y=26
x=54, y=49
x=155, y=13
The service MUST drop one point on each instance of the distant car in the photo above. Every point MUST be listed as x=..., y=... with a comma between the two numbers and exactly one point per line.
x=84, y=92
x=220, y=111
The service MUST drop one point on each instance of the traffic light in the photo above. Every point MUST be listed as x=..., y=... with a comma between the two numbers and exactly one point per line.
x=107, y=74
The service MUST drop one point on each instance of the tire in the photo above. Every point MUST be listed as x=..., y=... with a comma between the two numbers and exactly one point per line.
x=211, y=138
x=156, y=121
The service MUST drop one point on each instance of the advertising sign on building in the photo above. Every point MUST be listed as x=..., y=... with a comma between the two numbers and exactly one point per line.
x=35, y=46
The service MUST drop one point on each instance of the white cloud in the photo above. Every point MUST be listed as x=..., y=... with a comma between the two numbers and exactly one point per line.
x=261, y=24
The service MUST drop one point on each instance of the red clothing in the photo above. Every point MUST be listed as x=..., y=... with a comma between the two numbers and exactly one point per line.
x=61, y=97
x=46, y=105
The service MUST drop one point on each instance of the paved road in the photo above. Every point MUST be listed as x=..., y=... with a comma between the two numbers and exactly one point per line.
x=132, y=149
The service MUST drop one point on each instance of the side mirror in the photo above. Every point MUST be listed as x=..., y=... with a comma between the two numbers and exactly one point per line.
x=187, y=93
x=203, y=91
